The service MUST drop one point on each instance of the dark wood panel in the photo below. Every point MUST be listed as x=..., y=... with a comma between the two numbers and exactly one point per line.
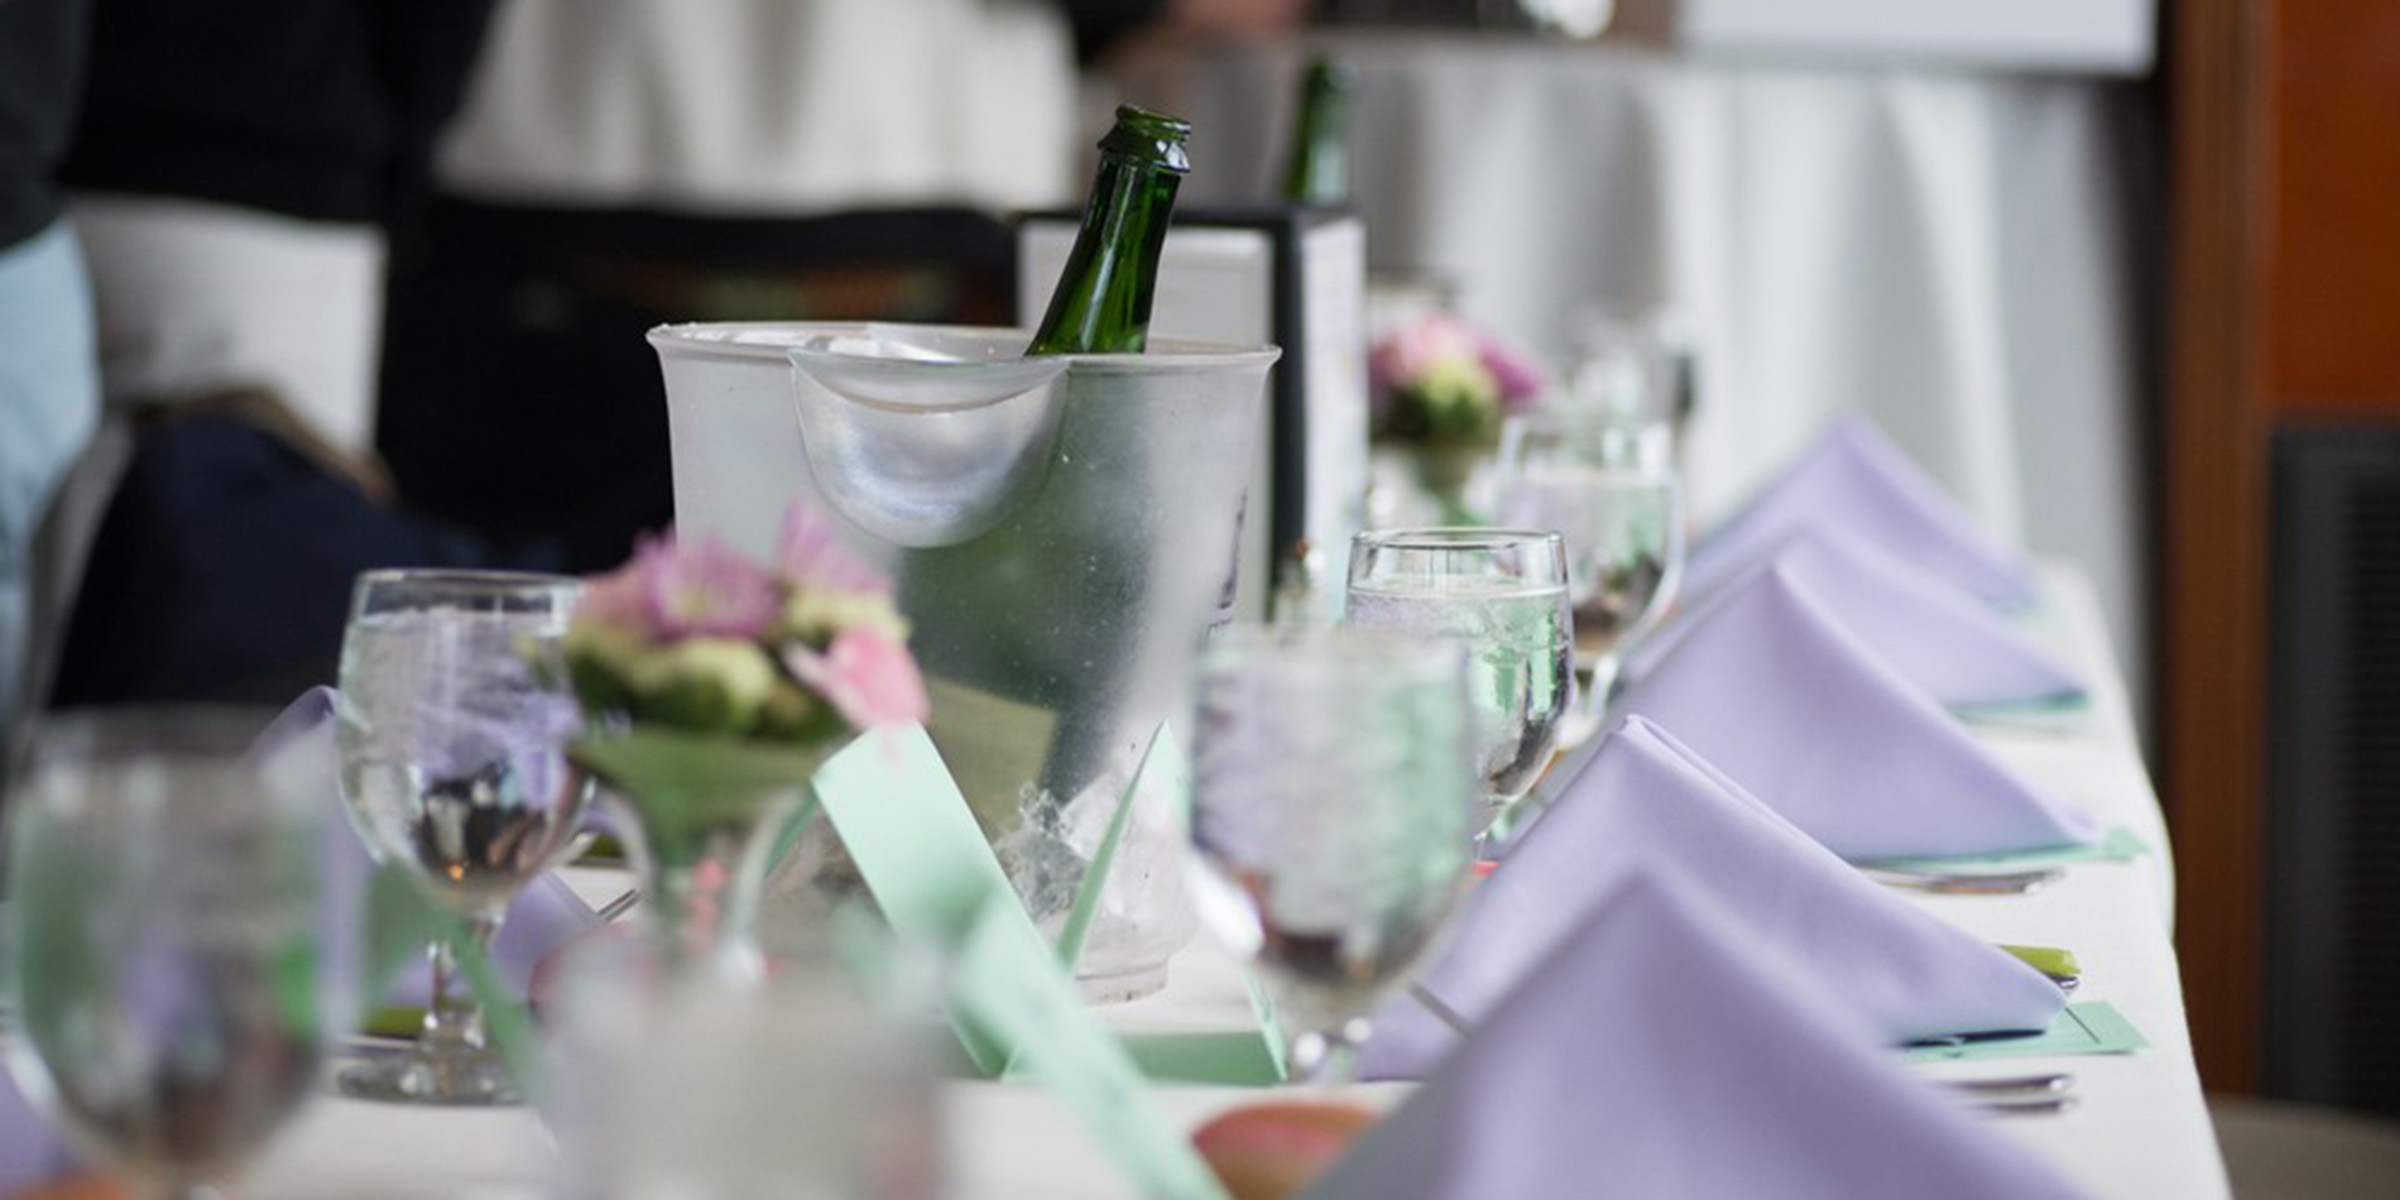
x=2214, y=455
x=2333, y=266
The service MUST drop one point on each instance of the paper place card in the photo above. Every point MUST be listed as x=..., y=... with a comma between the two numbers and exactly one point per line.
x=1017, y=1002
x=1016, y=1010
x=2089, y=1028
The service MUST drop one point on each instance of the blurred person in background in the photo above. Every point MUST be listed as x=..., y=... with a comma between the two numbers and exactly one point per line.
x=238, y=172
x=621, y=164
x=49, y=393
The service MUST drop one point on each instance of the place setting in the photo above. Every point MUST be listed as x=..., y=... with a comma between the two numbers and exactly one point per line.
x=1250, y=730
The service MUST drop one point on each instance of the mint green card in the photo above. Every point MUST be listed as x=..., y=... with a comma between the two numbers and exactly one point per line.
x=1016, y=1010
x=2089, y=1028
x=910, y=831
x=2119, y=845
x=1025, y=1002
x=1095, y=877
x=908, y=828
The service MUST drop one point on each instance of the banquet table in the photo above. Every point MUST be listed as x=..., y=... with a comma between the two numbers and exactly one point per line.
x=1953, y=251
x=2140, y=1128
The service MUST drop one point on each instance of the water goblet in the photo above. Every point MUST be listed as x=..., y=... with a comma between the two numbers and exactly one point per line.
x=1502, y=592
x=454, y=715
x=1608, y=484
x=165, y=935
x=1334, y=795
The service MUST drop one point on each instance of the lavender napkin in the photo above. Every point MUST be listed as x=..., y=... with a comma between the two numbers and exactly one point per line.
x=1770, y=687
x=1647, y=804
x=543, y=917
x=1941, y=639
x=1854, y=478
x=30, y=1152
x=1664, y=1053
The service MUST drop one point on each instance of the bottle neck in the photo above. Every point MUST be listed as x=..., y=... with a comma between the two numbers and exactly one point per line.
x=1102, y=302
x=1319, y=171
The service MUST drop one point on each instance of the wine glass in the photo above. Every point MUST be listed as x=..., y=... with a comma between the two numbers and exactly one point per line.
x=1607, y=482
x=165, y=942
x=1503, y=592
x=1333, y=803
x=454, y=715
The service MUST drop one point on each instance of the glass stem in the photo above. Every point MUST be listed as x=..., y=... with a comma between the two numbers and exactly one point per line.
x=1605, y=668
x=454, y=1020
x=1328, y=1057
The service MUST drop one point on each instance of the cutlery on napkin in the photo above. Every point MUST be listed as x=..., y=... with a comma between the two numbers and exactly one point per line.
x=1646, y=804
x=1942, y=640
x=1664, y=1053
x=1854, y=478
x=1773, y=689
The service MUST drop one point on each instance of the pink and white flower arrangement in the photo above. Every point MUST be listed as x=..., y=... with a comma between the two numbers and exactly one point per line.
x=1440, y=381
x=693, y=637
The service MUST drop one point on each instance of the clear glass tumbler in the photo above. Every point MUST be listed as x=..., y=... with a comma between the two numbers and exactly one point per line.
x=1333, y=803
x=166, y=948
x=1503, y=593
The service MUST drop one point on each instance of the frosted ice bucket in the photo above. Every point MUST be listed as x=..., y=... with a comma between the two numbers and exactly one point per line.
x=1061, y=531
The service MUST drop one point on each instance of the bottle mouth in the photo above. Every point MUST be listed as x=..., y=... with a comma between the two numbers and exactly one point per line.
x=1152, y=136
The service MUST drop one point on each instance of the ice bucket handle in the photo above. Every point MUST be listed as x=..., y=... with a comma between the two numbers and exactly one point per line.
x=926, y=451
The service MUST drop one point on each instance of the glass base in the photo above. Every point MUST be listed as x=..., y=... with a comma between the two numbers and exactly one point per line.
x=456, y=1080
x=1124, y=986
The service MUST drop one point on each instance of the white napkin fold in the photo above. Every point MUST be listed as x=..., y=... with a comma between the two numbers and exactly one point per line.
x=1663, y=1053
x=1772, y=689
x=1854, y=478
x=1940, y=638
x=1646, y=803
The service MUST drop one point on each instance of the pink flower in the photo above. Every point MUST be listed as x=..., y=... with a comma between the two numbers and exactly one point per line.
x=1521, y=379
x=620, y=598
x=1409, y=353
x=703, y=589
x=810, y=552
x=868, y=677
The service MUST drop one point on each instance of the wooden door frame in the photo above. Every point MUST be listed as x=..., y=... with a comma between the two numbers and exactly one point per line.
x=2214, y=531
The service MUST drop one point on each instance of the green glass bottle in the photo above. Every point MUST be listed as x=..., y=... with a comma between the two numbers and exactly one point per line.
x=1102, y=302
x=1319, y=170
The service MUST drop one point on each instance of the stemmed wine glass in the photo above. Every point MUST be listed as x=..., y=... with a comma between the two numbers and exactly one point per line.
x=1607, y=482
x=165, y=940
x=1333, y=799
x=1503, y=592
x=455, y=712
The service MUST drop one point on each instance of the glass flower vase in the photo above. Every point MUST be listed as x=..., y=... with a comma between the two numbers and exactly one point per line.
x=707, y=817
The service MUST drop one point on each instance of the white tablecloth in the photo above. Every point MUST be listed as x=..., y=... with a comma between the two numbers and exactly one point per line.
x=2141, y=1130
x=1946, y=250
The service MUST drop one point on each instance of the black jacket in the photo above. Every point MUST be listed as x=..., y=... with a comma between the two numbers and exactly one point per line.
x=318, y=109
x=41, y=74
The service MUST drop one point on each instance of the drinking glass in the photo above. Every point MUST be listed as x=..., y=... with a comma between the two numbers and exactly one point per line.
x=1502, y=592
x=816, y=1082
x=164, y=942
x=454, y=715
x=1333, y=802
x=1607, y=483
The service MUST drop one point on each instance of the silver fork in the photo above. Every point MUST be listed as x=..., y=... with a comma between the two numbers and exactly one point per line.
x=1965, y=883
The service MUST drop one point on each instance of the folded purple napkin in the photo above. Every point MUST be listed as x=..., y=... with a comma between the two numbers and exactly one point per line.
x=543, y=917
x=1774, y=690
x=1664, y=1053
x=1940, y=638
x=1647, y=804
x=1854, y=478
x=31, y=1152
